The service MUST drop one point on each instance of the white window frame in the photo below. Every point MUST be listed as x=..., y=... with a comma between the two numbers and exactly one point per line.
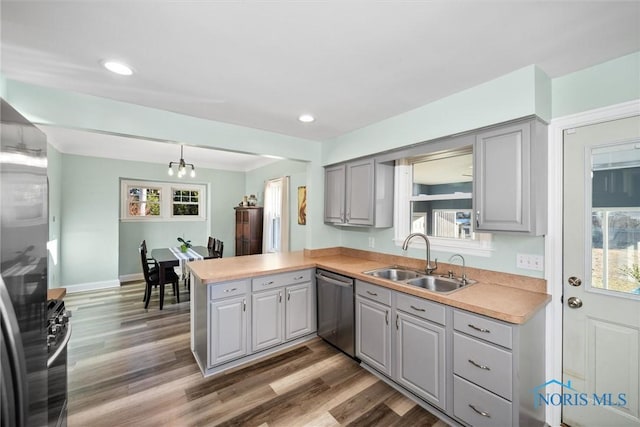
x=166, y=201
x=481, y=246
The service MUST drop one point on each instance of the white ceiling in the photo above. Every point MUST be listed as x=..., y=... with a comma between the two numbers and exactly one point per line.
x=262, y=63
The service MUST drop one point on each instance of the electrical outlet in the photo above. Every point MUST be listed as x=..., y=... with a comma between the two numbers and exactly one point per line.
x=530, y=262
x=372, y=242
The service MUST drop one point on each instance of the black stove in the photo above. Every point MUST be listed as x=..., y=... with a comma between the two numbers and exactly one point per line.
x=58, y=335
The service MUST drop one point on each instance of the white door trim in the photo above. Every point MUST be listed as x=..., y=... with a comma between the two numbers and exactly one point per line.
x=553, y=239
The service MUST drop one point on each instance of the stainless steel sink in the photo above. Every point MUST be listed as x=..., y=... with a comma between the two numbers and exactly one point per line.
x=421, y=280
x=396, y=274
x=437, y=284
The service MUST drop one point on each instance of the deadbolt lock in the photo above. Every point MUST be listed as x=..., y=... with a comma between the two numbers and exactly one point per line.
x=574, y=281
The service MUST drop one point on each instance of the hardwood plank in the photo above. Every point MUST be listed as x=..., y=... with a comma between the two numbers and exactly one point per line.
x=133, y=367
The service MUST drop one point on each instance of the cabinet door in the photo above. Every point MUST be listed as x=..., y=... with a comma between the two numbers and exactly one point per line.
x=266, y=319
x=373, y=334
x=420, y=360
x=502, y=179
x=334, y=182
x=300, y=311
x=359, y=192
x=227, y=329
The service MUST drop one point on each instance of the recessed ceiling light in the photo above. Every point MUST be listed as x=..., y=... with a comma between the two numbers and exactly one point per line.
x=118, y=68
x=306, y=118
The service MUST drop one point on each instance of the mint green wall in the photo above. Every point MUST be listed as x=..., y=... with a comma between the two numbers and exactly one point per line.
x=505, y=98
x=54, y=174
x=610, y=83
x=297, y=172
x=91, y=229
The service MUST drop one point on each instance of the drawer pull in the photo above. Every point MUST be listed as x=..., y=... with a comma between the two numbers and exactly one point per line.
x=231, y=290
x=484, y=414
x=244, y=305
x=386, y=316
x=417, y=309
x=298, y=278
x=372, y=293
x=267, y=283
x=479, y=329
x=486, y=368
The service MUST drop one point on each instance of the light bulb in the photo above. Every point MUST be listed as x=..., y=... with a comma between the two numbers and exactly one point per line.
x=193, y=173
x=170, y=172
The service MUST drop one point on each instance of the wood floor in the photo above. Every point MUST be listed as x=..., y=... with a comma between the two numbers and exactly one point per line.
x=131, y=366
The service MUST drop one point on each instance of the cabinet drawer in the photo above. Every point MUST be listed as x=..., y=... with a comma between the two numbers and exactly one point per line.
x=229, y=289
x=420, y=307
x=481, y=327
x=478, y=407
x=373, y=292
x=483, y=364
x=282, y=279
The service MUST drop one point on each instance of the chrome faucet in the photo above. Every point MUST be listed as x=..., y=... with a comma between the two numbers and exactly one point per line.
x=463, y=278
x=428, y=268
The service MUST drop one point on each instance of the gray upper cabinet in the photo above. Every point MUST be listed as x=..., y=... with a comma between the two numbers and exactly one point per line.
x=359, y=193
x=510, y=184
x=334, y=188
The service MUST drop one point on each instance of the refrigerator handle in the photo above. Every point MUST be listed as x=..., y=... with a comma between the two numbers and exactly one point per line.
x=15, y=352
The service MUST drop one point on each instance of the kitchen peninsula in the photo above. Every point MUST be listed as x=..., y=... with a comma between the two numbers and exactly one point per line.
x=246, y=308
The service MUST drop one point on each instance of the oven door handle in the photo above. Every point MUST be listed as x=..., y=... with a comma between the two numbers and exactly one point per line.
x=51, y=360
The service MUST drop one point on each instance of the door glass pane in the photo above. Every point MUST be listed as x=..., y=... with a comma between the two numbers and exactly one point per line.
x=615, y=217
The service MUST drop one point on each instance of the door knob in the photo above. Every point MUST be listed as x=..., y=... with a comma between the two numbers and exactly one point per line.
x=574, y=302
x=574, y=281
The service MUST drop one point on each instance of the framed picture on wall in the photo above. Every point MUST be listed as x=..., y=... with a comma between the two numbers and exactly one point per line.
x=302, y=205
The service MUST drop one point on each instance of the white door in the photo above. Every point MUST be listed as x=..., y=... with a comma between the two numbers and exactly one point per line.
x=601, y=335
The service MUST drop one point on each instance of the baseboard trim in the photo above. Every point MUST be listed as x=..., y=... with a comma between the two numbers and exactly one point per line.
x=92, y=286
x=135, y=277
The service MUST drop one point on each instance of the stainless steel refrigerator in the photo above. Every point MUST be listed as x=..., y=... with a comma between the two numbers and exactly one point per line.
x=23, y=270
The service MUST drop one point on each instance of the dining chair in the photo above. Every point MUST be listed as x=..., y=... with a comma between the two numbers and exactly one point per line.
x=152, y=278
x=216, y=247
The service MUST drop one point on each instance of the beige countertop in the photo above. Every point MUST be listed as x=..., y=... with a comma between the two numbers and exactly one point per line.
x=56, y=293
x=504, y=301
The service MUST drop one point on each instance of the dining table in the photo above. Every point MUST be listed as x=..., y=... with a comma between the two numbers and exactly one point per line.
x=174, y=257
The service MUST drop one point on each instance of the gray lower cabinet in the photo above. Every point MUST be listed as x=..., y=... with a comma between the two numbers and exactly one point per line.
x=510, y=178
x=281, y=313
x=496, y=367
x=397, y=335
x=238, y=321
x=227, y=322
x=373, y=334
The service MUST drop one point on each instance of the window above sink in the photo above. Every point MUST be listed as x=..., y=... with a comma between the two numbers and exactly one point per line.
x=434, y=196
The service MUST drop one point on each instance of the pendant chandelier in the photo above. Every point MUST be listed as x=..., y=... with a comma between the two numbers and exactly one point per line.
x=182, y=166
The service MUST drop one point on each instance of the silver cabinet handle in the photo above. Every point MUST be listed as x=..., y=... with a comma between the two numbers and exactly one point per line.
x=267, y=283
x=372, y=293
x=484, y=414
x=397, y=325
x=417, y=309
x=288, y=295
x=386, y=316
x=231, y=290
x=477, y=219
x=486, y=368
x=298, y=278
x=279, y=296
x=479, y=329
x=244, y=305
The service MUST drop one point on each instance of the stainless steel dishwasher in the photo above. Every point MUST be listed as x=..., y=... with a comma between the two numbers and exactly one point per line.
x=335, y=310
